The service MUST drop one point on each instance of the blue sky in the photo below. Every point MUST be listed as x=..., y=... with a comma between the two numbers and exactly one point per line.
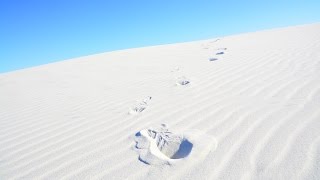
x=35, y=32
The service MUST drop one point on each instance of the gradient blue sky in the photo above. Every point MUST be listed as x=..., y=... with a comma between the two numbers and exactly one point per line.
x=34, y=32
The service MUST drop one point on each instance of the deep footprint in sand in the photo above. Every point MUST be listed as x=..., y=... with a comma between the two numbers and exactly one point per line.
x=161, y=146
x=140, y=106
x=171, y=145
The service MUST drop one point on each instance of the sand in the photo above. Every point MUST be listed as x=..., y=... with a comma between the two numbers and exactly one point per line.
x=239, y=107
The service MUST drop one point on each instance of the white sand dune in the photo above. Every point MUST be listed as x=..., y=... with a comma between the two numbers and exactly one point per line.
x=237, y=107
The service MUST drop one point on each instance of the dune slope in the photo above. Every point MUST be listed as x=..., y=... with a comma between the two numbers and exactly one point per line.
x=244, y=106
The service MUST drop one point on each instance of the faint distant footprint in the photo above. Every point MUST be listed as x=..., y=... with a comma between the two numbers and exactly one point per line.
x=220, y=51
x=181, y=80
x=175, y=70
x=207, y=45
x=140, y=105
x=213, y=59
x=217, y=53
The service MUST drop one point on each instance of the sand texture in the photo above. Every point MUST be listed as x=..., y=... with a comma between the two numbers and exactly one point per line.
x=237, y=107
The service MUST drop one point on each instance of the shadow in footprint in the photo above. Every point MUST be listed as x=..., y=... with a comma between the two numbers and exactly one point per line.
x=219, y=53
x=213, y=59
x=184, y=150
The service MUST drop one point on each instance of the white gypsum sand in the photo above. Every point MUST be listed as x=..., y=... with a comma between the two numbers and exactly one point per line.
x=237, y=107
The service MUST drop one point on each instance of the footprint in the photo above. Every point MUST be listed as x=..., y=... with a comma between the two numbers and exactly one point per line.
x=218, y=52
x=182, y=80
x=171, y=145
x=207, y=45
x=140, y=106
x=213, y=59
x=176, y=69
x=163, y=144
